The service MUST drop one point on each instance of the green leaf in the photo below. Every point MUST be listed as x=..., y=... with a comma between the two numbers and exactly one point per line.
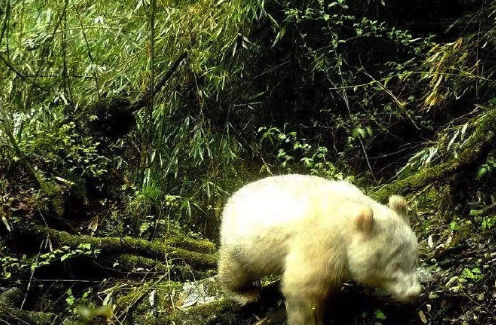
x=475, y=212
x=70, y=298
x=379, y=314
x=85, y=246
x=359, y=132
x=454, y=225
x=6, y=223
x=370, y=131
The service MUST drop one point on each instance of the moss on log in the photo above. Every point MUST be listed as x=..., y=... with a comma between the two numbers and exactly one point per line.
x=11, y=315
x=109, y=246
x=474, y=152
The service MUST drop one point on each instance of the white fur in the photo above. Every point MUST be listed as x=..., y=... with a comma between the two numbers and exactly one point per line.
x=316, y=233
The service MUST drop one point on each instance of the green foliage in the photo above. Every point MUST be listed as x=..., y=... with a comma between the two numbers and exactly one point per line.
x=56, y=156
x=467, y=277
x=201, y=126
x=459, y=68
x=340, y=94
x=149, y=207
x=459, y=283
x=50, y=197
x=450, y=141
x=70, y=298
x=186, y=160
x=50, y=146
x=486, y=168
x=454, y=226
x=63, y=253
x=488, y=222
x=481, y=216
x=294, y=153
x=64, y=150
x=379, y=314
x=324, y=87
x=91, y=40
x=12, y=265
x=472, y=274
x=184, y=141
x=9, y=264
x=333, y=73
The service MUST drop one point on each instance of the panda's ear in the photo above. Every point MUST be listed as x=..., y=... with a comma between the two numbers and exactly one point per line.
x=398, y=204
x=365, y=221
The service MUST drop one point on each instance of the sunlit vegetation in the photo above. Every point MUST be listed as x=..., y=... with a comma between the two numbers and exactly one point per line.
x=126, y=125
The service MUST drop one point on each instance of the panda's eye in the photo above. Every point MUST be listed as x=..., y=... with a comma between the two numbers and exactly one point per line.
x=396, y=267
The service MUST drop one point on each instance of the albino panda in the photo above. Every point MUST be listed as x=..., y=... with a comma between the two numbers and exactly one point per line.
x=317, y=234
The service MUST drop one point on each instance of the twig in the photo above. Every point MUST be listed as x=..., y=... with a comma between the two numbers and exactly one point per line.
x=66, y=80
x=19, y=73
x=90, y=55
x=390, y=93
x=124, y=313
x=145, y=98
x=5, y=22
x=31, y=278
x=8, y=130
x=344, y=96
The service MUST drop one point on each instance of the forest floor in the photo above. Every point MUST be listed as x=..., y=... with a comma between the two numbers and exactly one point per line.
x=65, y=271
